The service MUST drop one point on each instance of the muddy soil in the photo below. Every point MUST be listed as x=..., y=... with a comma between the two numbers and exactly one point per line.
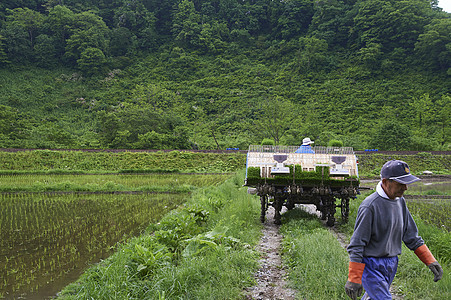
x=271, y=277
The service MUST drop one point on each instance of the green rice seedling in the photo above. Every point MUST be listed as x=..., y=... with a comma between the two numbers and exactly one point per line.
x=39, y=229
x=40, y=160
x=108, y=183
x=435, y=212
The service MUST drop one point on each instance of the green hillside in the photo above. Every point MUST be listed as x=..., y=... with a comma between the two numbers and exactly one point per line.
x=213, y=74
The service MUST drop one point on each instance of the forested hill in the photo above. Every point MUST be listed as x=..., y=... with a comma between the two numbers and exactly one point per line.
x=179, y=74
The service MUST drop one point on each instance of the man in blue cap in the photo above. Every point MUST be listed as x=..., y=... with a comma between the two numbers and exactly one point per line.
x=383, y=222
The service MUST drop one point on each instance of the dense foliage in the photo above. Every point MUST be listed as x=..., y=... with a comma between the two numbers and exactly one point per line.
x=123, y=162
x=180, y=74
x=46, y=162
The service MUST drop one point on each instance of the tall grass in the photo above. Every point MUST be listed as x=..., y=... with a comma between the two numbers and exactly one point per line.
x=317, y=263
x=201, y=251
x=415, y=281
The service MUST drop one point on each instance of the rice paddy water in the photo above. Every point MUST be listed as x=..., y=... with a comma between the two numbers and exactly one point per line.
x=47, y=239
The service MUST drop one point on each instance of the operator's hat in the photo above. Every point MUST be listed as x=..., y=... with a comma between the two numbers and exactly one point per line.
x=307, y=141
x=399, y=171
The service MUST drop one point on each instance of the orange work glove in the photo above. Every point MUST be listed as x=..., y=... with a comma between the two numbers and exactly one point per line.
x=425, y=255
x=354, y=286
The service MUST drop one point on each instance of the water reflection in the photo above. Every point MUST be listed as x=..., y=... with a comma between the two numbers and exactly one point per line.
x=425, y=185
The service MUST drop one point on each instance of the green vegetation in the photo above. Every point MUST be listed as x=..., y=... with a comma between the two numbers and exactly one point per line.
x=174, y=183
x=434, y=212
x=203, y=250
x=180, y=74
x=69, y=219
x=370, y=164
x=78, y=162
x=317, y=262
x=56, y=161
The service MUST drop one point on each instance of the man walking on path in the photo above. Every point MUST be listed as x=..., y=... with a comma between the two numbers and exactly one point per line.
x=383, y=222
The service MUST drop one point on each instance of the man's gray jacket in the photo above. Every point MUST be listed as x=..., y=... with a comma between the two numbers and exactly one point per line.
x=380, y=227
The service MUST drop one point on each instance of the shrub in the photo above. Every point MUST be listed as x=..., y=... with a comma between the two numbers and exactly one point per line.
x=335, y=143
x=268, y=142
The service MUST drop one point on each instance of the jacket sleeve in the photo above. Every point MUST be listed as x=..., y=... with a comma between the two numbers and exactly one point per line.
x=361, y=235
x=410, y=235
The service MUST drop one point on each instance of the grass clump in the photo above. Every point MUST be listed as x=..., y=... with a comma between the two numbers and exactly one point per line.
x=317, y=263
x=203, y=250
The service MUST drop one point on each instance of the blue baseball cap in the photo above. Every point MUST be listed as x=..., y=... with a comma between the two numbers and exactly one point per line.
x=399, y=171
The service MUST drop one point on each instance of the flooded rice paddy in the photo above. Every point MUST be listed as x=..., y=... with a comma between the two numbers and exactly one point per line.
x=48, y=239
x=437, y=186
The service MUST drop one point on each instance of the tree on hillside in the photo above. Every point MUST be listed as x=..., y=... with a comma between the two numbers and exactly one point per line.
x=89, y=31
x=3, y=56
x=213, y=37
x=294, y=18
x=139, y=21
x=312, y=54
x=434, y=45
x=391, y=23
x=443, y=120
x=370, y=56
x=14, y=127
x=45, y=51
x=392, y=136
x=186, y=27
x=275, y=118
x=59, y=22
x=421, y=106
x=331, y=22
x=92, y=61
x=155, y=96
x=109, y=126
x=28, y=19
x=17, y=44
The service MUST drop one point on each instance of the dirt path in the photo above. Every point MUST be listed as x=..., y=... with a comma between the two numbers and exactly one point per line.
x=271, y=283
x=271, y=277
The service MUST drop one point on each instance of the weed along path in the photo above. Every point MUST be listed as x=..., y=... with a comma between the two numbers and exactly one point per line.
x=271, y=283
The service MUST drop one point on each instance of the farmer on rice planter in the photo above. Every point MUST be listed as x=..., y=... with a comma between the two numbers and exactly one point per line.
x=383, y=221
x=305, y=147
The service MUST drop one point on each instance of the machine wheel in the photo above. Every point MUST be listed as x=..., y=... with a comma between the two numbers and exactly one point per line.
x=344, y=209
x=330, y=220
x=290, y=203
x=330, y=211
x=264, y=207
x=278, y=203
